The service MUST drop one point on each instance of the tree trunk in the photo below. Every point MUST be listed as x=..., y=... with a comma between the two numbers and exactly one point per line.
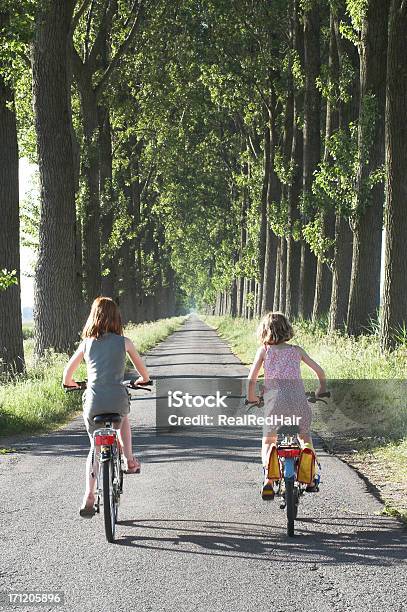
x=270, y=265
x=394, y=316
x=283, y=273
x=312, y=145
x=341, y=273
x=364, y=297
x=239, y=298
x=56, y=324
x=342, y=259
x=108, y=263
x=273, y=195
x=11, y=335
x=295, y=187
x=91, y=204
x=263, y=214
x=233, y=299
x=323, y=282
x=276, y=301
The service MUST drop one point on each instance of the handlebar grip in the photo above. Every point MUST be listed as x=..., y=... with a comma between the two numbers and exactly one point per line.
x=145, y=385
x=81, y=386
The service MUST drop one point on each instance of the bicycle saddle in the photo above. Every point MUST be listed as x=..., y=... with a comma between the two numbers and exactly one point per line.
x=111, y=417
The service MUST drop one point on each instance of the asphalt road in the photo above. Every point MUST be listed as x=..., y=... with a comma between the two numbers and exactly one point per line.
x=194, y=533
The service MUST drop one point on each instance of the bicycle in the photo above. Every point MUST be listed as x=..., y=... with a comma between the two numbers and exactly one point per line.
x=288, y=452
x=107, y=460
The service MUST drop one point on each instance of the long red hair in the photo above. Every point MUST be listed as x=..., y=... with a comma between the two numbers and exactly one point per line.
x=104, y=317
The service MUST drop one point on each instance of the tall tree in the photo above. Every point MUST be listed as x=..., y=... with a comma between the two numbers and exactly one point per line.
x=295, y=185
x=312, y=144
x=394, y=315
x=11, y=335
x=348, y=111
x=323, y=282
x=55, y=317
x=93, y=73
x=364, y=297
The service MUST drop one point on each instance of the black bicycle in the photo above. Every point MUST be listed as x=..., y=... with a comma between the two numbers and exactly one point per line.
x=107, y=459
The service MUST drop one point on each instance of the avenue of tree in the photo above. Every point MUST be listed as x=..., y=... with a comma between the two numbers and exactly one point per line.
x=242, y=156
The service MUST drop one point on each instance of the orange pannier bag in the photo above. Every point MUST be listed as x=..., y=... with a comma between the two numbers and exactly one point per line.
x=273, y=470
x=306, y=466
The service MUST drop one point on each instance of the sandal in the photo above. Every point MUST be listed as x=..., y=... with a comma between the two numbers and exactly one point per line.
x=133, y=466
x=267, y=491
x=87, y=511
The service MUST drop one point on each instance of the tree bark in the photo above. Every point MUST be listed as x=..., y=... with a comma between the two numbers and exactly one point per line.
x=11, y=335
x=55, y=317
x=295, y=187
x=312, y=145
x=341, y=273
x=273, y=195
x=108, y=261
x=263, y=213
x=276, y=301
x=364, y=297
x=394, y=315
x=342, y=259
x=323, y=281
x=283, y=273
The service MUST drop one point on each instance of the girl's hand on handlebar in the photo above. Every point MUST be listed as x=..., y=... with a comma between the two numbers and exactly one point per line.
x=142, y=381
x=253, y=399
x=70, y=383
x=320, y=391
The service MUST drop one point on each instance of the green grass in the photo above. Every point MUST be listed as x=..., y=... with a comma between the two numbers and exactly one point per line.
x=36, y=402
x=28, y=330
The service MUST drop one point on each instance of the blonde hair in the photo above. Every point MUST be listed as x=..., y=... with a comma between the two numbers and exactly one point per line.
x=104, y=317
x=274, y=328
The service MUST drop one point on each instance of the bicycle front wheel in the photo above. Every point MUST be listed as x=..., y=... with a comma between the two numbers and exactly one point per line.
x=109, y=500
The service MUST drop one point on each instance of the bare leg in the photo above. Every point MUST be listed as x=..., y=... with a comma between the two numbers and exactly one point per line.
x=125, y=438
x=133, y=464
x=89, y=496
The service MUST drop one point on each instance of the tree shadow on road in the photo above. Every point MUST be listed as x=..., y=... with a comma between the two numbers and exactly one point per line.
x=362, y=540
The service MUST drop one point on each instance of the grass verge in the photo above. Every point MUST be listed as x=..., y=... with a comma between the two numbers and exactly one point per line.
x=366, y=422
x=36, y=402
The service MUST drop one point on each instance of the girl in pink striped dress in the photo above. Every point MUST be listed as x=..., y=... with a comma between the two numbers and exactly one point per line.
x=284, y=393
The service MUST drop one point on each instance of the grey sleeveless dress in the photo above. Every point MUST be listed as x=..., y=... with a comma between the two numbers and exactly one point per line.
x=105, y=358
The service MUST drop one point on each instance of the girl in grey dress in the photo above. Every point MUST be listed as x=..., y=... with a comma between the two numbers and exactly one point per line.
x=104, y=349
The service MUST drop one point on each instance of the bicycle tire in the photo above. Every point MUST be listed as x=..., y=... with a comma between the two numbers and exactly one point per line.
x=109, y=503
x=290, y=505
x=296, y=501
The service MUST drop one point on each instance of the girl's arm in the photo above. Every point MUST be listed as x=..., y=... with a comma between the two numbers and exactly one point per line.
x=72, y=366
x=137, y=361
x=253, y=374
x=317, y=369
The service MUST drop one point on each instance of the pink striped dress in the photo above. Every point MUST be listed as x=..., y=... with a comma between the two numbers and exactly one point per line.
x=284, y=393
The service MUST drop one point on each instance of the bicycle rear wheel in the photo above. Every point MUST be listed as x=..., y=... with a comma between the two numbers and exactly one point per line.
x=291, y=506
x=109, y=500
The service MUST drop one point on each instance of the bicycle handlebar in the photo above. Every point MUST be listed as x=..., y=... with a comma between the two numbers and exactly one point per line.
x=310, y=395
x=82, y=384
